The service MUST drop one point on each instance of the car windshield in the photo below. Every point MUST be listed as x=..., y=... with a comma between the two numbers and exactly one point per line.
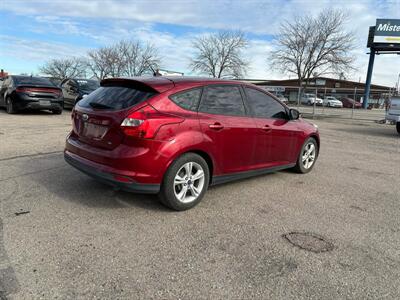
x=29, y=80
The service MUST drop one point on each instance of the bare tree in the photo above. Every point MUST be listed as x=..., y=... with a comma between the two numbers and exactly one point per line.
x=220, y=54
x=104, y=62
x=138, y=59
x=64, y=68
x=314, y=46
x=125, y=58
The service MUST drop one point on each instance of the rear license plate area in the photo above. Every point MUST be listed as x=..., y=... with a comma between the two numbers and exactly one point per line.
x=44, y=102
x=94, y=131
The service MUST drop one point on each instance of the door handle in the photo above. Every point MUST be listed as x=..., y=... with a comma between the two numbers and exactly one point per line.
x=266, y=128
x=216, y=126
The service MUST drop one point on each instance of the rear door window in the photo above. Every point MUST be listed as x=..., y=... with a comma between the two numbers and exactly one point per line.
x=115, y=97
x=264, y=106
x=223, y=100
x=187, y=99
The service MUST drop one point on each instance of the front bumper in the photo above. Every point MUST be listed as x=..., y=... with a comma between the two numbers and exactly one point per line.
x=115, y=180
x=337, y=105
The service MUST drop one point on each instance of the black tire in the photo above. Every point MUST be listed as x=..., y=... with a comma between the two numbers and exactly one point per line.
x=167, y=192
x=57, y=111
x=10, y=106
x=398, y=127
x=300, y=168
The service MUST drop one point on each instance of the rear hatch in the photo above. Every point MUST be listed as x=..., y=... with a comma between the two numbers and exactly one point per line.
x=40, y=92
x=97, y=118
x=37, y=88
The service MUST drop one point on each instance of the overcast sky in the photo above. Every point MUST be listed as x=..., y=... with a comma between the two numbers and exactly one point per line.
x=33, y=31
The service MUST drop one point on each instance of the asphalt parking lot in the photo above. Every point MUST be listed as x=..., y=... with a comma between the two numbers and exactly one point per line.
x=65, y=236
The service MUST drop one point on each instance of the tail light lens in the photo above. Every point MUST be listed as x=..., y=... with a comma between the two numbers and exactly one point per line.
x=146, y=121
x=38, y=90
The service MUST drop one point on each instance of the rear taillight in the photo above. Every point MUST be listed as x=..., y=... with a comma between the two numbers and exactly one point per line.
x=146, y=121
x=38, y=90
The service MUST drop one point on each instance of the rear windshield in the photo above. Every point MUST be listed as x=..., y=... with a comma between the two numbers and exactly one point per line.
x=28, y=80
x=115, y=97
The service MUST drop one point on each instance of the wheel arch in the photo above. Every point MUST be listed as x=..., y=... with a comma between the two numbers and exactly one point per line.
x=208, y=160
x=203, y=154
x=316, y=137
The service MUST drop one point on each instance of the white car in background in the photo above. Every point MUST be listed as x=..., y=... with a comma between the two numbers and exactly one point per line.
x=393, y=112
x=282, y=98
x=331, y=101
x=309, y=99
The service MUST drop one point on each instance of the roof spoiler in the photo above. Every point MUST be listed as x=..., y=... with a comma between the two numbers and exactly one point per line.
x=152, y=84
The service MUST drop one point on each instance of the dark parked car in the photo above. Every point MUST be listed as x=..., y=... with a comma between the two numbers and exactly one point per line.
x=349, y=103
x=75, y=89
x=175, y=136
x=28, y=92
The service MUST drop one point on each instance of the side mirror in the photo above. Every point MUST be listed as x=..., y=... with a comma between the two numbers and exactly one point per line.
x=294, y=114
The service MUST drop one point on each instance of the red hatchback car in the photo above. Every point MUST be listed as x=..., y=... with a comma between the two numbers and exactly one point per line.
x=175, y=136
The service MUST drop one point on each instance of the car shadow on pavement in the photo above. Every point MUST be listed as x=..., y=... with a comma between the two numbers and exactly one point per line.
x=68, y=184
x=28, y=112
x=379, y=130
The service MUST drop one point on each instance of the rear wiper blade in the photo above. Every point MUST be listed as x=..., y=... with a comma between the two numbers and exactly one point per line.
x=99, y=105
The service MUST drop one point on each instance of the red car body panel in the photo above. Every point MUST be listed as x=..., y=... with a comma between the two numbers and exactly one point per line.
x=230, y=144
x=350, y=103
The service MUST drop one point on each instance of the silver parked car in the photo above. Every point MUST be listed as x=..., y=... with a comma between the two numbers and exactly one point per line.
x=393, y=112
x=309, y=99
x=282, y=98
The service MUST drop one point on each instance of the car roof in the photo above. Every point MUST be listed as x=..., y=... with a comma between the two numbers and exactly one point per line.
x=164, y=83
x=84, y=79
x=194, y=79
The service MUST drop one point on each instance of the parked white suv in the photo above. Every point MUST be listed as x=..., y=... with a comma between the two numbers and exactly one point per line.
x=309, y=99
x=332, y=102
x=393, y=113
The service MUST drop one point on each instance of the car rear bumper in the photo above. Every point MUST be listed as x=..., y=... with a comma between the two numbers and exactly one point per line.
x=395, y=118
x=38, y=104
x=112, y=178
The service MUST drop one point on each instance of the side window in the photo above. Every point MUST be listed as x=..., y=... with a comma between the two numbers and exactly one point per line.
x=223, y=100
x=187, y=99
x=64, y=84
x=264, y=106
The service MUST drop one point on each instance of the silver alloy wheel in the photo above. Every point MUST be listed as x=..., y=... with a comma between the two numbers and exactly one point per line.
x=308, y=156
x=189, y=182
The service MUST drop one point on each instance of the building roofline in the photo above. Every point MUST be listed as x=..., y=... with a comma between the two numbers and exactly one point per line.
x=313, y=78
